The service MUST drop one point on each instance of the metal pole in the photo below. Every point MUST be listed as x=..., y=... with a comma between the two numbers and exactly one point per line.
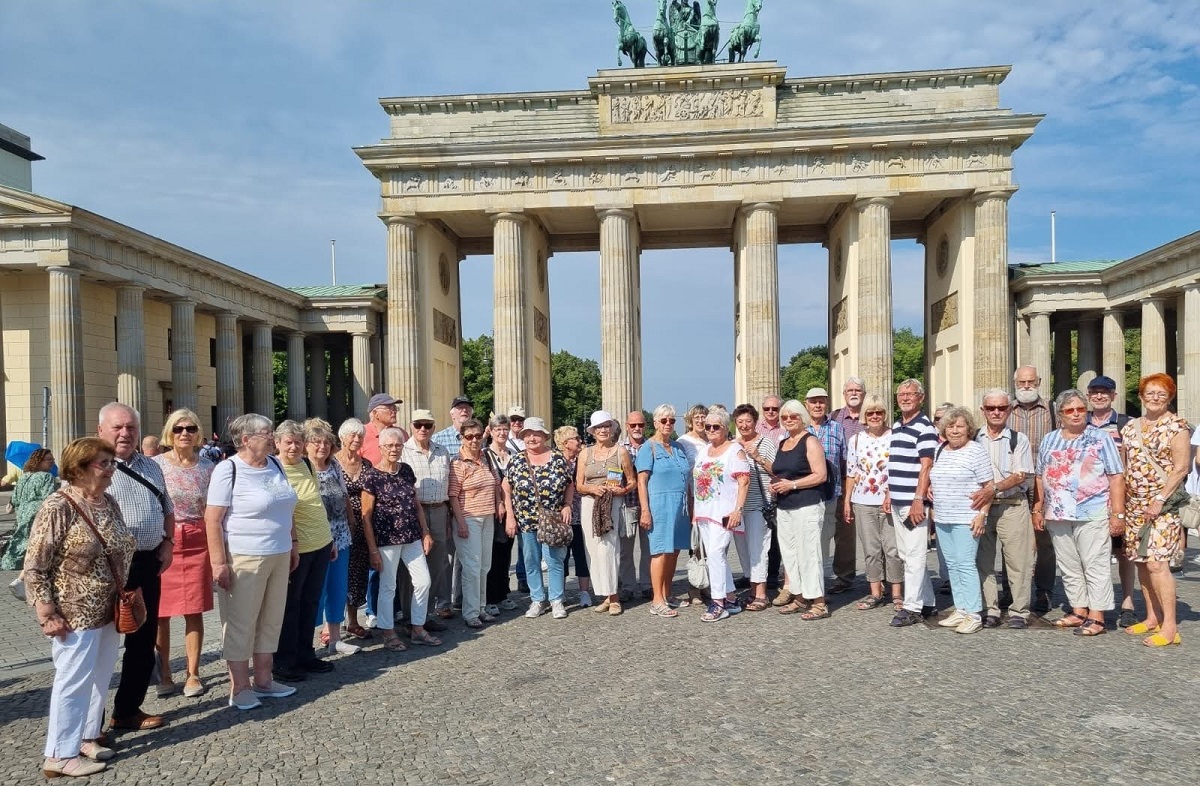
x=1053, y=243
x=333, y=259
x=45, y=417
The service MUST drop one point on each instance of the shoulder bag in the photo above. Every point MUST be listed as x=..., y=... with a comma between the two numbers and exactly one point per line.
x=1179, y=497
x=697, y=565
x=768, y=504
x=550, y=527
x=129, y=608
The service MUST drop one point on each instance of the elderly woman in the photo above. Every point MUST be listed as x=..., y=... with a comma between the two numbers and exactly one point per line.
x=753, y=549
x=474, y=495
x=539, y=478
x=604, y=476
x=319, y=446
x=1080, y=500
x=665, y=494
x=35, y=484
x=961, y=467
x=867, y=485
x=395, y=529
x=352, y=464
x=187, y=582
x=720, y=482
x=693, y=438
x=252, y=550
x=1157, y=460
x=495, y=452
x=296, y=657
x=78, y=555
x=566, y=439
x=800, y=472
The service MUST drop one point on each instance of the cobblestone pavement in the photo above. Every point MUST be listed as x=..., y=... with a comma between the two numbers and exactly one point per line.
x=756, y=699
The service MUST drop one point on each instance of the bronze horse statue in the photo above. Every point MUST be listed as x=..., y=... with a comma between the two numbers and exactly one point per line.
x=746, y=33
x=710, y=33
x=629, y=41
x=664, y=41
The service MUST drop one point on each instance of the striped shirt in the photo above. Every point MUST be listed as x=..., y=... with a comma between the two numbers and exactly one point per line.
x=1034, y=421
x=956, y=475
x=473, y=484
x=432, y=469
x=911, y=442
x=144, y=514
x=833, y=440
x=778, y=433
x=766, y=448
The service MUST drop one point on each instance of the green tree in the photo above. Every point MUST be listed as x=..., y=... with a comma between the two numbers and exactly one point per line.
x=279, y=373
x=808, y=368
x=477, y=364
x=575, y=388
x=908, y=356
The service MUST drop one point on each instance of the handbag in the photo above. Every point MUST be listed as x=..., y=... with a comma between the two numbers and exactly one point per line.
x=697, y=566
x=769, y=510
x=129, y=608
x=1179, y=497
x=630, y=519
x=1190, y=513
x=551, y=529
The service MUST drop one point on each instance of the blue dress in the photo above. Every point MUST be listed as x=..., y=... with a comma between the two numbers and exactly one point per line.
x=667, y=487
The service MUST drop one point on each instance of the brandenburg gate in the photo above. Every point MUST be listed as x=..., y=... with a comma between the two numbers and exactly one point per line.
x=730, y=155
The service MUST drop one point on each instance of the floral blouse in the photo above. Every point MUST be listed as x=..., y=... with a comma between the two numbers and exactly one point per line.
x=867, y=465
x=187, y=487
x=394, y=520
x=336, y=499
x=533, y=484
x=354, y=488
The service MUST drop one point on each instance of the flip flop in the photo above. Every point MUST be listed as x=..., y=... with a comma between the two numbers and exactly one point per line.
x=1141, y=628
x=1159, y=640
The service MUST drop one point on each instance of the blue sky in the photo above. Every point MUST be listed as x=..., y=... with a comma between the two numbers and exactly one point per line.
x=227, y=128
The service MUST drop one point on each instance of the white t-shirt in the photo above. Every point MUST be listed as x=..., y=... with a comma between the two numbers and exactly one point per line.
x=691, y=446
x=867, y=460
x=1193, y=481
x=714, y=481
x=260, y=502
x=956, y=475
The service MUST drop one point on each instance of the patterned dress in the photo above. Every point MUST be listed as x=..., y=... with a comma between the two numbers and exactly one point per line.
x=31, y=490
x=532, y=483
x=187, y=583
x=359, y=562
x=1143, y=480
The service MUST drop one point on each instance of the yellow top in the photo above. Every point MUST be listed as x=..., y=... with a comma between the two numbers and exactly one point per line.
x=312, y=522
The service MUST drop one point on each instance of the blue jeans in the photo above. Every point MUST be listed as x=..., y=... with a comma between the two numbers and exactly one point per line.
x=372, y=590
x=333, y=598
x=532, y=554
x=960, y=547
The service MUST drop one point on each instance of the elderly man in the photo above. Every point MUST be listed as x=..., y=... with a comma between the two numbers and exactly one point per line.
x=150, y=447
x=833, y=440
x=1101, y=393
x=381, y=414
x=1033, y=416
x=853, y=393
x=430, y=463
x=910, y=460
x=769, y=425
x=141, y=493
x=629, y=579
x=516, y=422
x=461, y=410
x=1008, y=520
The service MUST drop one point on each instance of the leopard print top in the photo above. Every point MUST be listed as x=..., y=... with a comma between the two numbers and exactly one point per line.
x=66, y=565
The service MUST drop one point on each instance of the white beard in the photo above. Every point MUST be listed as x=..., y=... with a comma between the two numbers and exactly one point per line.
x=854, y=402
x=1025, y=396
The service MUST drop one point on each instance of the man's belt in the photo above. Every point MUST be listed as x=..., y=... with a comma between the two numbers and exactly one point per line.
x=441, y=504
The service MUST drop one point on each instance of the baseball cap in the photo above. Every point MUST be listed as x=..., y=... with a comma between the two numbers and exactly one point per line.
x=817, y=393
x=516, y=412
x=460, y=400
x=1103, y=382
x=420, y=415
x=382, y=400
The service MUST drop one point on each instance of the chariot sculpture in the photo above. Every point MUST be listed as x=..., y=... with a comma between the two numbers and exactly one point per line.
x=687, y=34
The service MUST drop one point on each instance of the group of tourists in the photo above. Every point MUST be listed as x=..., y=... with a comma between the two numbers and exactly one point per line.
x=300, y=528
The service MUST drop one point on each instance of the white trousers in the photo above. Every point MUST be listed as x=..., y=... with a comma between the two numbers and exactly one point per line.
x=799, y=533
x=913, y=547
x=716, y=542
x=413, y=557
x=1082, y=550
x=83, y=666
x=604, y=552
x=753, y=546
x=474, y=560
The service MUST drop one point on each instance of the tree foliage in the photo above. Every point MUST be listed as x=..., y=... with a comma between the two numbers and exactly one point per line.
x=809, y=368
x=908, y=356
x=575, y=388
x=477, y=363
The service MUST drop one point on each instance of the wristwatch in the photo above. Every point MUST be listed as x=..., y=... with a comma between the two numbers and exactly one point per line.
x=1120, y=516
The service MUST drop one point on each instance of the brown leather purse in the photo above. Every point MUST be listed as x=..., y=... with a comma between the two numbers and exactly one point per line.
x=129, y=608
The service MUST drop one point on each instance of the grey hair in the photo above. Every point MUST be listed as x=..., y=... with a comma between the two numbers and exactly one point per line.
x=1026, y=366
x=245, y=426
x=391, y=431
x=854, y=381
x=117, y=406
x=319, y=428
x=664, y=411
x=995, y=393
x=772, y=396
x=289, y=428
x=944, y=407
x=351, y=427
x=497, y=421
x=1067, y=395
x=912, y=383
x=954, y=414
x=794, y=407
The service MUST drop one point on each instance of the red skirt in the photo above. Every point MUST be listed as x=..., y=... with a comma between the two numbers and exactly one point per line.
x=187, y=584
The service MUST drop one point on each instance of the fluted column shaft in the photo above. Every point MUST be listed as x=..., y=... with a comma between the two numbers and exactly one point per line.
x=758, y=292
x=1039, y=349
x=376, y=366
x=360, y=361
x=297, y=379
x=229, y=371
x=1189, y=330
x=319, y=378
x=262, y=379
x=1113, y=360
x=1089, y=351
x=511, y=355
x=131, y=348
x=1154, y=337
x=1022, y=328
x=404, y=316
x=1062, y=359
x=66, y=358
x=337, y=384
x=620, y=325
x=992, y=339
x=875, y=294
x=184, y=383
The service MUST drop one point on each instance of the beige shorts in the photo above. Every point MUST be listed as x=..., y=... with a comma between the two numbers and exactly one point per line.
x=252, y=609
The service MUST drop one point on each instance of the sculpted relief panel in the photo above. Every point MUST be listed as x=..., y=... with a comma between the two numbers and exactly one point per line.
x=669, y=107
x=943, y=314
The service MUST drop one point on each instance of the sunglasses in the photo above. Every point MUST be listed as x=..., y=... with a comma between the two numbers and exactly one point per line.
x=667, y=421
x=1074, y=411
x=422, y=426
x=713, y=427
x=876, y=414
x=770, y=409
x=187, y=429
x=472, y=437
x=635, y=425
x=516, y=420
x=995, y=408
x=789, y=416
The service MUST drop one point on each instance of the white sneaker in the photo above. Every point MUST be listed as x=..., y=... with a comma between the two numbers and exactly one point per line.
x=369, y=621
x=585, y=599
x=343, y=648
x=954, y=620
x=970, y=624
x=560, y=611
x=491, y=610
x=246, y=700
x=17, y=588
x=536, y=609
x=508, y=604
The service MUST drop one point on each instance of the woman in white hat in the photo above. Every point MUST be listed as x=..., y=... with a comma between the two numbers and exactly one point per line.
x=604, y=475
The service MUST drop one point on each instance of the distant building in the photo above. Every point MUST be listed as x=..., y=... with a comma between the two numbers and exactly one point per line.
x=16, y=160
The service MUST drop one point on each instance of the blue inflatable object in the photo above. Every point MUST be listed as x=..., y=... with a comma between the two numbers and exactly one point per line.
x=19, y=452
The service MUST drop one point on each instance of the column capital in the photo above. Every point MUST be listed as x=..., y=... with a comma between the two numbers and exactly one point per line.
x=130, y=288
x=752, y=207
x=182, y=301
x=1114, y=311
x=616, y=212
x=300, y=334
x=1003, y=193
x=1153, y=299
x=410, y=220
x=518, y=216
x=1192, y=287
x=883, y=200
x=64, y=270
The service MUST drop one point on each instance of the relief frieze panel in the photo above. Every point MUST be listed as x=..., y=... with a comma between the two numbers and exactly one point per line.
x=445, y=329
x=943, y=314
x=669, y=107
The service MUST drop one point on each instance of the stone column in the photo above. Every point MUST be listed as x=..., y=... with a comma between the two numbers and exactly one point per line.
x=319, y=378
x=1189, y=333
x=1089, y=351
x=297, y=405
x=229, y=372
x=131, y=348
x=621, y=389
x=403, y=315
x=337, y=383
x=1113, y=362
x=1063, y=379
x=1022, y=328
x=511, y=355
x=360, y=359
x=875, y=295
x=1154, y=337
x=1039, y=350
x=184, y=384
x=758, y=300
x=992, y=340
x=376, y=383
x=262, y=379
x=66, y=358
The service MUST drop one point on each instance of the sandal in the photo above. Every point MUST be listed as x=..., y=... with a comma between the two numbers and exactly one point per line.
x=394, y=644
x=663, y=610
x=818, y=611
x=716, y=612
x=1071, y=620
x=357, y=632
x=1091, y=628
x=423, y=638
x=795, y=605
x=1141, y=628
x=869, y=602
x=324, y=637
x=758, y=604
x=897, y=605
x=444, y=613
x=1159, y=640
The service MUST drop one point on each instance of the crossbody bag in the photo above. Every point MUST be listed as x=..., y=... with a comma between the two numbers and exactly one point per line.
x=129, y=607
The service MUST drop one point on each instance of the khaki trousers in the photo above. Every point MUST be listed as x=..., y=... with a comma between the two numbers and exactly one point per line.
x=1011, y=527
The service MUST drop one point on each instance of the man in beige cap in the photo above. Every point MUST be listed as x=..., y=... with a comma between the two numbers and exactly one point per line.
x=833, y=440
x=430, y=463
x=516, y=422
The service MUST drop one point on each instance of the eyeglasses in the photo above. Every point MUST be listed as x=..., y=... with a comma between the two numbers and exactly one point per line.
x=516, y=420
x=472, y=437
x=1099, y=392
x=789, y=416
x=995, y=408
x=667, y=421
x=263, y=435
x=859, y=391
x=876, y=414
x=1074, y=410
x=713, y=427
x=183, y=429
x=770, y=409
x=105, y=464
x=1156, y=394
x=422, y=426
x=635, y=425
x=390, y=446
